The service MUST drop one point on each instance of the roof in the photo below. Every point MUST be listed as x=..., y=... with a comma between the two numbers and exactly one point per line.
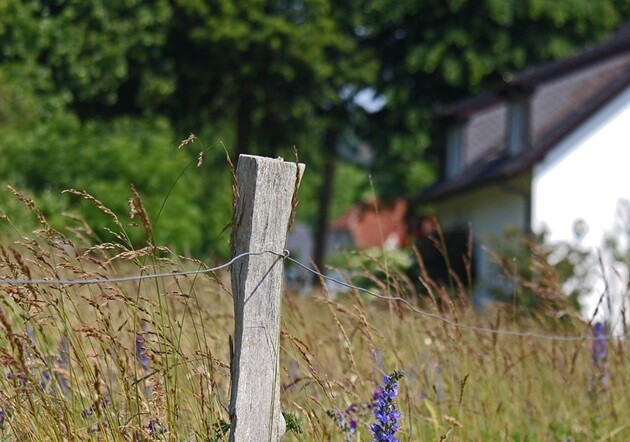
x=562, y=96
x=374, y=224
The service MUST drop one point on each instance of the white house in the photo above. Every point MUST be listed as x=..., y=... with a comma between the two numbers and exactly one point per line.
x=548, y=149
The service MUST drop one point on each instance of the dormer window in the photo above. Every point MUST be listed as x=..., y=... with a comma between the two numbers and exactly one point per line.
x=454, y=151
x=518, y=126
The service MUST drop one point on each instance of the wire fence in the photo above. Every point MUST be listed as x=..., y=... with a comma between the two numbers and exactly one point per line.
x=286, y=255
x=131, y=278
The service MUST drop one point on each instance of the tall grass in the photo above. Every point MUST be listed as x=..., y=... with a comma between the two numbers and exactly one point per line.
x=149, y=360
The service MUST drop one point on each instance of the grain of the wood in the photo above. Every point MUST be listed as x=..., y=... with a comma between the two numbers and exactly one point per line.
x=266, y=188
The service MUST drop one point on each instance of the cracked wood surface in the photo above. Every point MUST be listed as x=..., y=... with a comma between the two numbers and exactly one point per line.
x=264, y=206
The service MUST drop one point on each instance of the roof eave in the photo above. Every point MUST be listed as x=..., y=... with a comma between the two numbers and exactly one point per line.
x=530, y=79
x=509, y=167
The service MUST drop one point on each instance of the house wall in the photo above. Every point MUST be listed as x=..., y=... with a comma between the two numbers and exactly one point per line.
x=583, y=179
x=489, y=210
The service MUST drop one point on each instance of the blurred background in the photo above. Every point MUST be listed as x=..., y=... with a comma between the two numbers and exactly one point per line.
x=98, y=95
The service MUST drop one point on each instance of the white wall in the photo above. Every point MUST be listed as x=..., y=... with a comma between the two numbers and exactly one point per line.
x=584, y=178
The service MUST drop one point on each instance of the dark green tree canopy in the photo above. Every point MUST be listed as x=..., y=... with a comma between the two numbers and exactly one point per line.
x=99, y=56
x=267, y=65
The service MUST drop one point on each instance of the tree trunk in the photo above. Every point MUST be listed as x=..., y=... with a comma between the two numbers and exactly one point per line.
x=244, y=122
x=325, y=197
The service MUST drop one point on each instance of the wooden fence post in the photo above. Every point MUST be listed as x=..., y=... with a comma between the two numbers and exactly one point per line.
x=265, y=195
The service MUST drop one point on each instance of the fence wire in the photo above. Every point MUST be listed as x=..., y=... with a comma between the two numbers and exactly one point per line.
x=97, y=281
x=286, y=255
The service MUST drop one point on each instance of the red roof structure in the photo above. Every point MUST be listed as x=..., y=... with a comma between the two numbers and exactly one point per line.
x=375, y=224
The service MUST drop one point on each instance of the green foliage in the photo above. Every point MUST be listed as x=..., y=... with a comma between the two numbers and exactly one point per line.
x=442, y=51
x=215, y=201
x=88, y=53
x=104, y=159
x=293, y=423
x=264, y=66
x=374, y=268
x=221, y=431
x=375, y=260
x=351, y=184
x=618, y=240
x=542, y=275
x=65, y=61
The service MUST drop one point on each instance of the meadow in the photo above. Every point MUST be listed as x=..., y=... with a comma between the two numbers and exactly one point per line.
x=149, y=359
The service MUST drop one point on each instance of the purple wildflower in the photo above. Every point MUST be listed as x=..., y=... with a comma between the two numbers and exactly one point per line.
x=155, y=428
x=141, y=352
x=64, y=352
x=385, y=412
x=599, y=380
x=18, y=377
x=44, y=381
x=86, y=413
x=348, y=419
x=143, y=358
x=598, y=349
x=63, y=363
x=31, y=335
x=348, y=427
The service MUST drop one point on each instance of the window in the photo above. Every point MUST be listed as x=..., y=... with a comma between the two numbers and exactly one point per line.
x=454, y=151
x=518, y=127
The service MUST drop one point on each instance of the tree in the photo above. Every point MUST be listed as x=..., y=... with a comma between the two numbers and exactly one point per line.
x=101, y=57
x=257, y=63
x=355, y=68
x=270, y=66
x=252, y=69
x=104, y=159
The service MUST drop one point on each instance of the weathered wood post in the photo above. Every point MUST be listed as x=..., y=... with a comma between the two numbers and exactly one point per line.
x=265, y=196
